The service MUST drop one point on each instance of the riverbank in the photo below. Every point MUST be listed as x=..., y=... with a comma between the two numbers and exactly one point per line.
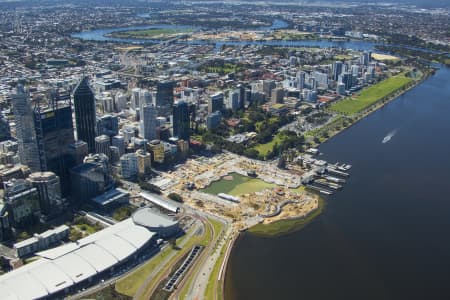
x=343, y=121
x=289, y=224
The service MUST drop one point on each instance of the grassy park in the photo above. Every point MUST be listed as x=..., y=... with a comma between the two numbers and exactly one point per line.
x=371, y=95
x=238, y=185
x=264, y=149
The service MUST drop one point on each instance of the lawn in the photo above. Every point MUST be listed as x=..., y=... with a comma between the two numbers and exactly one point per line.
x=239, y=185
x=371, y=95
x=264, y=149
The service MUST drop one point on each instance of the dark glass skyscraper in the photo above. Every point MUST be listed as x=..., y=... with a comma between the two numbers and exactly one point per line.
x=164, y=97
x=54, y=134
x=181, y=128
x=84, y=103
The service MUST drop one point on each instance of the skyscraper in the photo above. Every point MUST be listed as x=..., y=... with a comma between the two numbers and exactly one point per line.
x=233, y=100
x=5, y=133
x=301, y=79
x=54, y=134
x=215, y=103
x=102, y=144
x=84, y=103
x=25, y=132
x=181, y=128
x=149, y=122
x=164, y=97
x=337, y=70
x=108, y=125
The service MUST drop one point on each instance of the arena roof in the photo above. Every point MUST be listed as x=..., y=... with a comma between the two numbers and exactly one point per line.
x=148, y=218
x=67, y=265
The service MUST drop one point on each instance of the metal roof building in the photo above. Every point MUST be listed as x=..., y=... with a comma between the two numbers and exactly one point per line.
x=160, y=201
x=63, y=267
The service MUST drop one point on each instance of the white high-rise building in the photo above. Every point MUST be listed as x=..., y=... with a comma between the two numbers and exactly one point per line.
x=233, y=100
x=129, y=165
x=148, y=122
x=135, y=97
x=25, y=129
x=120, y=101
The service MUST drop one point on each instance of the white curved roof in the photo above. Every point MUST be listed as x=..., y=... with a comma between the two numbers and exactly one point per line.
x=164, y=203
x=151, y=220
x=64, y=266
x=97, y=257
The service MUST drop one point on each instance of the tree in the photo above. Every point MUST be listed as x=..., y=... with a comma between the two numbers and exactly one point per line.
x=175, y=197
x=149, y=187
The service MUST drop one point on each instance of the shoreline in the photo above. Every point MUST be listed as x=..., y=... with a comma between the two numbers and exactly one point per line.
x=288, y=225
x=375, y=107
x=305, y=220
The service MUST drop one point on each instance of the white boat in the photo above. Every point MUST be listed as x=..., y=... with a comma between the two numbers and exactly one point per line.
x=388, y=137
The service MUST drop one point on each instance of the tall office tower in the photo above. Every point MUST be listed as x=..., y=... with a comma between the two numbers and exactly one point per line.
x=355, y=70
x=5, y=131
x=233, y=100
x=165, y=97
x=135, y=95
x=215, y=102
x=301, y=79
x=22, y=200
x=108, y=125
x=145, y=98
x=277, y=95
x=128, y=166
x=365, y=58
x=107, y=103
x=91, y=178
x=54, y=134
x=268, y=86
x=78, y=151
x=120, y=102
x=241, y=89
x=213, y=120
x=347, y=79
x=312, y=83
x=25, y=132
x=129, y=133
x=102, y=144
x=337, y=70
x=148, y=122
x=157, y=149
x=49, y=190
x=119, y=142
x=84, y=103
x=181, y=128
x=144, y=162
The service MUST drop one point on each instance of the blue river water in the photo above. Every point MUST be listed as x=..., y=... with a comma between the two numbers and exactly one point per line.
x=102, y=35
x=385, y=236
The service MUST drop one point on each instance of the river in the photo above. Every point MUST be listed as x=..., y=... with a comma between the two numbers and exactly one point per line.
x=385, y=236
x=102, y=34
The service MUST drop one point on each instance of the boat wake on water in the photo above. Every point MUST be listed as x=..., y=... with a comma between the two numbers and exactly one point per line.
x=389, y=136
